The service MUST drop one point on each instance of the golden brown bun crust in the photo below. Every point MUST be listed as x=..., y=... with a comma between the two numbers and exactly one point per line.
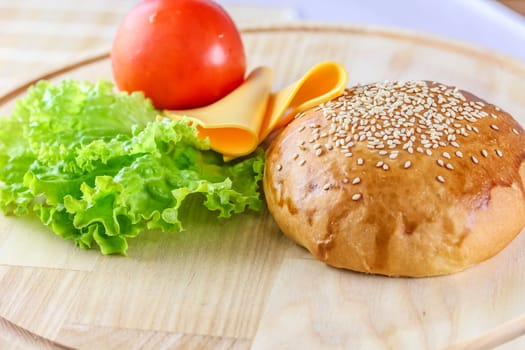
x=399, y=207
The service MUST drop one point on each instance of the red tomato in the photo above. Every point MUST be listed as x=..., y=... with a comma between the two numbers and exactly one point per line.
x=180, y=53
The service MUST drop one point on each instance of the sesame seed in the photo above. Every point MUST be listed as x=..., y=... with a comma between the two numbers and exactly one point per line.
x=302, y=162
x=379, y=164
x=318, y=152
x=474, y=160
x=440, y=178
x=407, y=164
x=484, y=153
x=494, y=127
x=302, y=128
x=499, y=153
x=356, y=181
x=449, y=166
x=459, y=154
x=356, y=196
x=295, y=156
x=515, y=131
x=326, y=187
x=440, y=162
x=279, y=167
x=360, y=161
x=385, y=167
x=390, y=117
x=345, y=180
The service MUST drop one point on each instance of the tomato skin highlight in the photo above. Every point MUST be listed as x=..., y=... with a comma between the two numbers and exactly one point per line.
x=180, y=53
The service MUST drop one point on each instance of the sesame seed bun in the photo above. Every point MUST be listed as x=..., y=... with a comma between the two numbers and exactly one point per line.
x=400, y=179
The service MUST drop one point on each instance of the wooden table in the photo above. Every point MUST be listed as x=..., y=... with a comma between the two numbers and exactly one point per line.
x=516, y=5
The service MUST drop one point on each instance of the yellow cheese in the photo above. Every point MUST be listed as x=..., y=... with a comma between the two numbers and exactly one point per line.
x=240, y=121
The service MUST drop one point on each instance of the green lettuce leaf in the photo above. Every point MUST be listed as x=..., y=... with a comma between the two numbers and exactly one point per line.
x=96, y=166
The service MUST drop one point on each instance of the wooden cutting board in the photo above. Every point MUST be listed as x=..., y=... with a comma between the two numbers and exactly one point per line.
x=239, y=283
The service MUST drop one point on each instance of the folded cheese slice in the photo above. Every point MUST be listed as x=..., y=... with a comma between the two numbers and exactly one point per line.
x=240, y=121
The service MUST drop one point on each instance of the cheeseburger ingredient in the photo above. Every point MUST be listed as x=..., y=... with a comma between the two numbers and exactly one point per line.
x=239, y=122
x=96, y=167
x=181, y=54
x=414, y=179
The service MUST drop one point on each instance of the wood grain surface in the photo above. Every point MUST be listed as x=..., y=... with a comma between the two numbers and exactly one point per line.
x=239, y=284
x=516, y=5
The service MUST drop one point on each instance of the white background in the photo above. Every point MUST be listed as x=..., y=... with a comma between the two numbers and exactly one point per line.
x=485, y=23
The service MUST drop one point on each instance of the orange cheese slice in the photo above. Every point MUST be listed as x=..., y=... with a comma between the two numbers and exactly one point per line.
x=240, y=121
